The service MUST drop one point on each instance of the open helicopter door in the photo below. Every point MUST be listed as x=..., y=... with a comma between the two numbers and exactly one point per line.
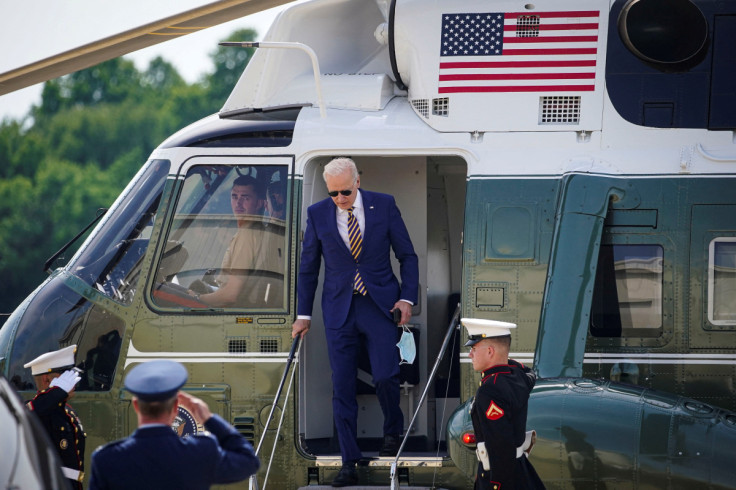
x=430, y=193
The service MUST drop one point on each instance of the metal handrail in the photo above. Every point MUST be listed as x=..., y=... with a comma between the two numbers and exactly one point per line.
x=454, y=323
x=253, y=481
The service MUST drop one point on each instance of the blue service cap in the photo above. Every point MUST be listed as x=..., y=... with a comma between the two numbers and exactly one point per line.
x=156, y=381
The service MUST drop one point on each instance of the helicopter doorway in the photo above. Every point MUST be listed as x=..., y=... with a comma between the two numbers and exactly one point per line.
x=430, y=193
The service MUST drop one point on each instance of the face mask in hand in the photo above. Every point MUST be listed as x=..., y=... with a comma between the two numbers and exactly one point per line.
x=407, y=347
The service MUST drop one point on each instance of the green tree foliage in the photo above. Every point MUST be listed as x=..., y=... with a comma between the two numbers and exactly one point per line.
x=22, y=226
x=110, y=82
x=19, y=152
x=229, y=64
x=161, y=75
x=83, y=143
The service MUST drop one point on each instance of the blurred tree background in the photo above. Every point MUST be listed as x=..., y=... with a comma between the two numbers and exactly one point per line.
x=76, y=151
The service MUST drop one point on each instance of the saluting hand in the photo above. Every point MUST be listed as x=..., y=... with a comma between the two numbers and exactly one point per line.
x=66, y=381
x=197, y=407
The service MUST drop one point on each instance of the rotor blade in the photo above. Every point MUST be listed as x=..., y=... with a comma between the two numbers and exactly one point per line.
x=58, y=59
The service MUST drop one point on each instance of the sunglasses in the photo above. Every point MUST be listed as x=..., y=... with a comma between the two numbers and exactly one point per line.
x=346, y=192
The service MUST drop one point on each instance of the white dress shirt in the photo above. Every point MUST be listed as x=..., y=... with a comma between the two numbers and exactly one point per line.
x=342, y=229
x=342, y=220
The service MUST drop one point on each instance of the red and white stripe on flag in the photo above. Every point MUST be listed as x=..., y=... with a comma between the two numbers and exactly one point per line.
x=518, y=52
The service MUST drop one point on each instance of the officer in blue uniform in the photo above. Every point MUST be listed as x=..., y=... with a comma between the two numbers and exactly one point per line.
x=154, y=456
x=56, y=378
x=499, y=410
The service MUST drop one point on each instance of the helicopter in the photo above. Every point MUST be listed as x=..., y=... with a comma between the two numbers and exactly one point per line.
x=565, y=166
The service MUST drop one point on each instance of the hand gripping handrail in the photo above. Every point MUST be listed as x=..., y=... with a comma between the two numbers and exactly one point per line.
x=454, y=323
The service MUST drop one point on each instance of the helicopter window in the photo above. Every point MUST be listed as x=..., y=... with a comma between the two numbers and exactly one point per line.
x=109, y=261
x=227, y=246
x=58, y=317
x=627, y=298
x=722, y=281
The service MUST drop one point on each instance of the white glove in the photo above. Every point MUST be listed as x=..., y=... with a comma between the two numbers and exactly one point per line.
x=67, y=381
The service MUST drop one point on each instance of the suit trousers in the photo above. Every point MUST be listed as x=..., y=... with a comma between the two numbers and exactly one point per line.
x=365, y=323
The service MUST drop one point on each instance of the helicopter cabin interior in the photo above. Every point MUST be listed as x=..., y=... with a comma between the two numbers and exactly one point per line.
x=430, y=193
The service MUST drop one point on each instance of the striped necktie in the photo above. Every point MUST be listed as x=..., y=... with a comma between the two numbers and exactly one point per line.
x=356, y=246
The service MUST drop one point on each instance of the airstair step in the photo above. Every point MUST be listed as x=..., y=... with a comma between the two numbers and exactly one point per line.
x=364, y=487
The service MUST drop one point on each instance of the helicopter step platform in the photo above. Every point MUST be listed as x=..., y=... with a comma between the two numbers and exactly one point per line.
x=408, y=460
x=369, y=461
x=363, y=487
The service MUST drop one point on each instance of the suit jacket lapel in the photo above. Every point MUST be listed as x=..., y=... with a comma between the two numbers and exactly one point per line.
x=369, y=215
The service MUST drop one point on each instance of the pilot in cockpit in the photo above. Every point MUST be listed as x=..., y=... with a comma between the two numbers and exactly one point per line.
x=276, y=200
x=252, y=272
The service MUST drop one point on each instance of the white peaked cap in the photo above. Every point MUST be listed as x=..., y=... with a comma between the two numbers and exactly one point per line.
x=479, y=329
x=52, y=361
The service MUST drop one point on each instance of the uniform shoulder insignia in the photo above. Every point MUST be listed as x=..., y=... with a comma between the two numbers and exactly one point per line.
x=494, y=412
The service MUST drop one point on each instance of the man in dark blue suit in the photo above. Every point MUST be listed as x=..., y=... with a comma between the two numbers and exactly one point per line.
x=354, y=231
x=154, y=456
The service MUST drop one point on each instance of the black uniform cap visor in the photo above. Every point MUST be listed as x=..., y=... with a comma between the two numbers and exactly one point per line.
x=474, y=339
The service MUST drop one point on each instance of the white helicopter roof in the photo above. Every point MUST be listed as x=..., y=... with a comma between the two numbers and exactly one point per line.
x=41, y=42
x=540, y=68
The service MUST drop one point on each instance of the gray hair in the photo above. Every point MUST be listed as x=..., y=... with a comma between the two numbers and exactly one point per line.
x=339, y=165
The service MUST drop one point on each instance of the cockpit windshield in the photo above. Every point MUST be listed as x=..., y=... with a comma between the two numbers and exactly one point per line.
x=109, y=259
x=227, y=246
x=58, y=315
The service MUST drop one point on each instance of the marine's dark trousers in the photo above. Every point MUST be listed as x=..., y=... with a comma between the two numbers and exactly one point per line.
x=364, y=318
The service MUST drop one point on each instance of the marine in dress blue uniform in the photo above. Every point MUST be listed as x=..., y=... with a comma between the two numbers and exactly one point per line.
x=499, y=411
x=154, y=456
x=351, y=316
x=55, y=378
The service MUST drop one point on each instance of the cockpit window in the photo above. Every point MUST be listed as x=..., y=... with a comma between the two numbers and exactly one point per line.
x=627, y=298
x=110, y=259
x=227, y=247
x=722, y=281
x=58, y=317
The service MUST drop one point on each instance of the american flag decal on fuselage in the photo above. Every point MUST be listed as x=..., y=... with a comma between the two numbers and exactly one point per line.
x=518, y=52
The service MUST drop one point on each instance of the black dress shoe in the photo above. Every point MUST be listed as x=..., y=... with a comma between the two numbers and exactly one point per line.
x=391, y=444
x=348, y=476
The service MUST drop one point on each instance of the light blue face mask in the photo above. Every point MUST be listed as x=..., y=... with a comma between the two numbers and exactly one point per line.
x=407, y=347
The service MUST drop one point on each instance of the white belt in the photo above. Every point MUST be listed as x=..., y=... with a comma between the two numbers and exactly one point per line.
x=526, y=447
x=75, y=475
